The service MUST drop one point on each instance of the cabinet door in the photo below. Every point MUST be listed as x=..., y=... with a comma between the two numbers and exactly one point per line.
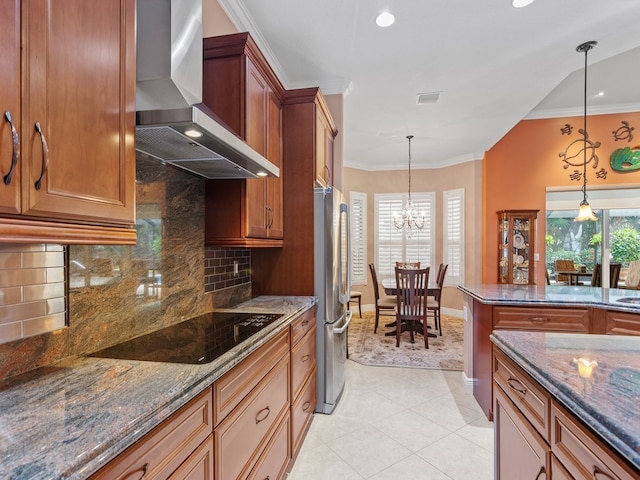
x=79, y=110
x=520, y=451
x=322, y=169
x=274, y=155
x=9, y=105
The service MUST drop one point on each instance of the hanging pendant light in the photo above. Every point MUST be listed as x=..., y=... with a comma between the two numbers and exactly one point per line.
x=409, y=219
x=585, y=213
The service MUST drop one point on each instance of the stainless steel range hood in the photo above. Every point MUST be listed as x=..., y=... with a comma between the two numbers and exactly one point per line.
x=172, y=123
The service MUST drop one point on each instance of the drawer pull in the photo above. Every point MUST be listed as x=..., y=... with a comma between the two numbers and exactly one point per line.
x=144, y=469
x=541, y=472
x=306, y=405
x=259, y=418
x=519, y=387
x=305, y=358
x=599, y=474
x=538, y=320
x=304, y=323
x=45, y=156
x=15, y=155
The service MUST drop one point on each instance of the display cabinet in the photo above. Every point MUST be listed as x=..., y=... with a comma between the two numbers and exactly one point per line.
x=516, y=246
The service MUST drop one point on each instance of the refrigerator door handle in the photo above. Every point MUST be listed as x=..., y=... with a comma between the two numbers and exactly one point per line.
x=346, y=294
x=344, y=327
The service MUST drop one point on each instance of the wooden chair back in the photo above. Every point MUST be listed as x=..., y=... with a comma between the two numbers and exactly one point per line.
x=596, y=278
x=374, y=279
x=560, y=265
x=614, y=274
x=408, y=264
x=411, y=285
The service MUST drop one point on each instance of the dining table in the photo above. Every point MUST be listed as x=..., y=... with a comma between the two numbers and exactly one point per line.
x=574, y=275
x=389, y=285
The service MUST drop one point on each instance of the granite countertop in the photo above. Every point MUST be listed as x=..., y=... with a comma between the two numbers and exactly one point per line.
x=69, y=419
x=554, y=295
x=607, y=401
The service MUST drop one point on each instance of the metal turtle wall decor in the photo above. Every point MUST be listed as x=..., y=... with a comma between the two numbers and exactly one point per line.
x=573, y=155
x=625, y=159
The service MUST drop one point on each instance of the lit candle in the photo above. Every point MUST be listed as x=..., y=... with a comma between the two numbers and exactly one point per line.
x=585, y=366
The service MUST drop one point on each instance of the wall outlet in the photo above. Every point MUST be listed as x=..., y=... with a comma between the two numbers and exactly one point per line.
x=536, y=257
x=235, y=268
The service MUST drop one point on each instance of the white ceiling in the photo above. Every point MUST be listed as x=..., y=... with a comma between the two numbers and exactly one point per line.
x=493, y=64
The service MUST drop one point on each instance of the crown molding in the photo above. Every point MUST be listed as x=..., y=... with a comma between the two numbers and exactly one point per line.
x=470, y=157
x=579, y=111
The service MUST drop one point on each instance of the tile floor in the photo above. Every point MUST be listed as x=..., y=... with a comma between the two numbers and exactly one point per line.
x=399, y=423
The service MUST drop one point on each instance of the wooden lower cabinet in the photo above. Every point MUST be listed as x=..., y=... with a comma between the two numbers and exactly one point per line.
x=520, y=450
x=171, y=450
x=562, y=449
x=621, y=323
x=273, y=462
x=199, y=465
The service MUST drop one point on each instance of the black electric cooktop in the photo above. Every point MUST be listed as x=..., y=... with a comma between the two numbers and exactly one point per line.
x=198, y=340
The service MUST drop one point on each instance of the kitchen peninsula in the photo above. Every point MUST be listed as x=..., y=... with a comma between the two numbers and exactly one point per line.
x=517, y=333
x=70, y=419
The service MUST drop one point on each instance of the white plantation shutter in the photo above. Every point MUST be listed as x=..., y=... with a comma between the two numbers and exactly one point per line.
x=453, y=238
x=358, y=209
x=390, y=243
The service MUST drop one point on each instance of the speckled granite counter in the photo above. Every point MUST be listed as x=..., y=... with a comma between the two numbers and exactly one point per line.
x=607, y=402
x=69, y=419
x=553, y=295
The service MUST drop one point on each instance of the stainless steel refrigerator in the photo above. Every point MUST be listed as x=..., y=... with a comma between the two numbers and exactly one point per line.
x=332, y=286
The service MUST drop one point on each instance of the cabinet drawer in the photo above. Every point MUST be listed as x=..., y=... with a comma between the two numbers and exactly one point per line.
x=558, y=472
x=239, y=436
x=301, y=325
x=532, y=401
x=167, y=446
x=583, y=456
x=545, y=319
x=274, y=460
x=302, y=412
x=620, y=323
x=303, y=361
x=233, y=386
x=199, y=465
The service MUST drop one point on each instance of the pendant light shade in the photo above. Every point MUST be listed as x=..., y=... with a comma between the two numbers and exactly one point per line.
x=585, y=213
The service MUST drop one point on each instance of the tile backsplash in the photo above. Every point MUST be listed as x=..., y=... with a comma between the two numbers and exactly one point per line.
x=119, y=292
x=32, y=290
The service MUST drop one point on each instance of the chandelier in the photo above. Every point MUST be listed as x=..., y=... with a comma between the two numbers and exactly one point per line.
x=585, y=212
x=409, y=219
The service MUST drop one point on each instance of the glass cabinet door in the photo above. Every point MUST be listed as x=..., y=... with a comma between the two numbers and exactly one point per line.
x=516, y=230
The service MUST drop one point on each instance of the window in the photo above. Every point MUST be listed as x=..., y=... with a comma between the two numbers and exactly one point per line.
x=391, y=245
x=453, y=235
x=358, y=208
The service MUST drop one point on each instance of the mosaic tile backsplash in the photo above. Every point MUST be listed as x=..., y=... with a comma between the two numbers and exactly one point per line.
x=119, y=292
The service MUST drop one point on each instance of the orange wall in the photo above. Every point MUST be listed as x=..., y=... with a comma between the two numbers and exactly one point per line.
x=519, y=168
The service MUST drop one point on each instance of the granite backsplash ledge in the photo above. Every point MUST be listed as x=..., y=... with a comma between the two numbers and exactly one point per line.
x=119, y=292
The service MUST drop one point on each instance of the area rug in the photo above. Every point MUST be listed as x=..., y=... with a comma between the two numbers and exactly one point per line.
x=367, y=348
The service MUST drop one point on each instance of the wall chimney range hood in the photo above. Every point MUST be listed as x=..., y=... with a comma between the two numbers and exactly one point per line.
x=172, y=124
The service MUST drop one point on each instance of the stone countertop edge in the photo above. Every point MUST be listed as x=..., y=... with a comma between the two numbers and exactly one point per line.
x=570, y=401
x=580, y=296
x=67, y=420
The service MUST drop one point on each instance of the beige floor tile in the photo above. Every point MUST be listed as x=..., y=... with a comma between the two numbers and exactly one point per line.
x=387, y=413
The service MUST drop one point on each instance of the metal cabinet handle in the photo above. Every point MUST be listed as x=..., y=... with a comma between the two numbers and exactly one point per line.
x=306, y=405
x=144, y=469
x=262, y=419
x=598, y=474
x=271, y=217
x=305, y=358
x=45, y=156
x=522, y=389
x=541, y=472
x=304, y=323
x=15, y=148
x=538, y=320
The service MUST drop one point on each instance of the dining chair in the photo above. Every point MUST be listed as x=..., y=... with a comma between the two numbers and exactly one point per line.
x=384, y=305
x=563, y=265
x=411, y=303
x=633, y=275
x=408, y=264
x=596, y=276
x=614, y=275
x=355, y=297
x=433, y=303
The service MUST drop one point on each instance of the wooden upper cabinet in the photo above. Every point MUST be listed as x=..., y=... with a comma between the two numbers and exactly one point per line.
x=75, y=178
x=310, y=132
x=10, y=105
x=242, y=90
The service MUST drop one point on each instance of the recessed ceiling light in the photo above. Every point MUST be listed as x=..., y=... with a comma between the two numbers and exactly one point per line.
x=385, y=19
x=521, y=3
x=193, y=133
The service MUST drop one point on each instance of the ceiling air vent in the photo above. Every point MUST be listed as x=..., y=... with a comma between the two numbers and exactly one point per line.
x=430, y=97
